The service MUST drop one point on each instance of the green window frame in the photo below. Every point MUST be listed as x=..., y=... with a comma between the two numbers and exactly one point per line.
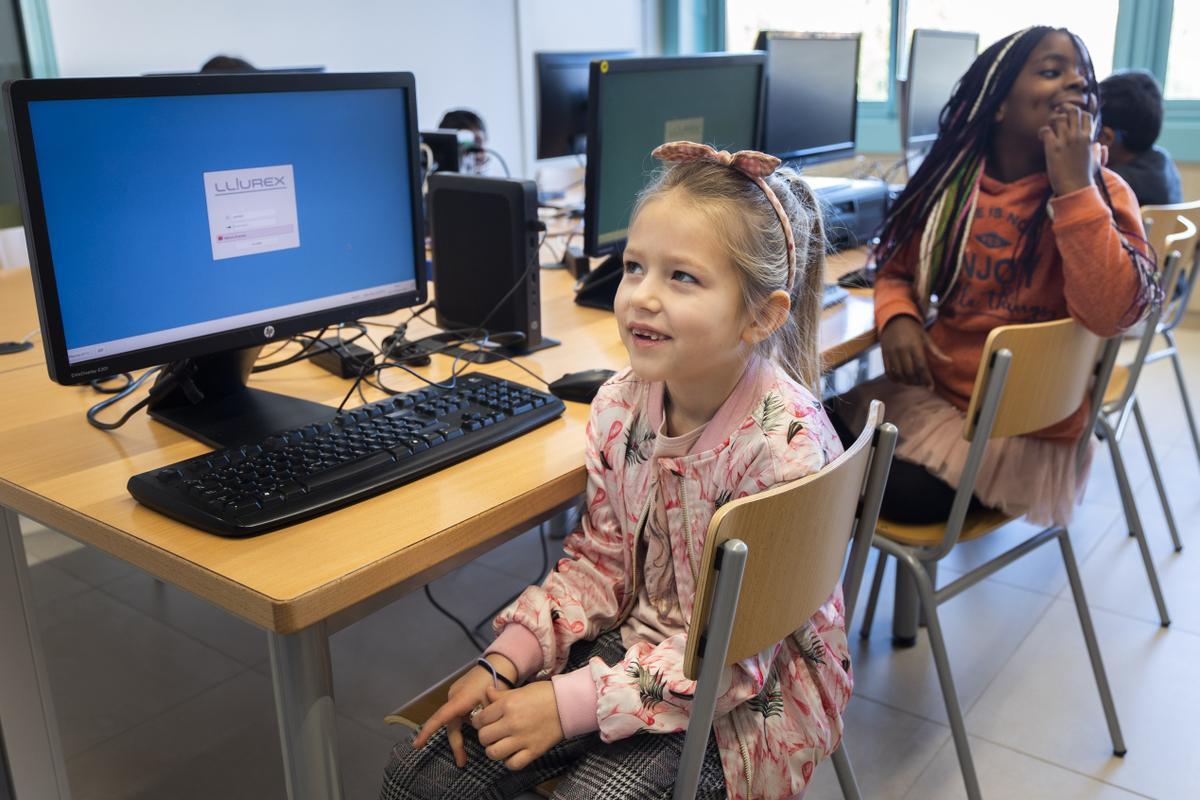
x=1143, y=38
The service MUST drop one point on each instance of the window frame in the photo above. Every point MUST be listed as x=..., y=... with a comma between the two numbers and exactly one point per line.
x=1143, y=38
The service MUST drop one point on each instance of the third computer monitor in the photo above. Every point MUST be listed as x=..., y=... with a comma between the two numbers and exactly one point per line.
x=562, y=91
x=811, y=96
x=935, y=63
x=636, y=104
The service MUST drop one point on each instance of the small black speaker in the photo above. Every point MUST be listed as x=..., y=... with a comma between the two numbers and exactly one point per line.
x=485, y=258
x=445, y=148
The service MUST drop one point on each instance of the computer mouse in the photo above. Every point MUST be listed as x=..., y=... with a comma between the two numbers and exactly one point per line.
x=582, y=386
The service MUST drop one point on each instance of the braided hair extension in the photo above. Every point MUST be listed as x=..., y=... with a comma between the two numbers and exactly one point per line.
x=935, y=211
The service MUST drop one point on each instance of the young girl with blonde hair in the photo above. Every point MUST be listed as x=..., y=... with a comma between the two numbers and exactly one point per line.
x=718, y=308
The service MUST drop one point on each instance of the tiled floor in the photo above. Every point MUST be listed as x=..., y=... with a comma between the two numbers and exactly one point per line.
x=162, y=696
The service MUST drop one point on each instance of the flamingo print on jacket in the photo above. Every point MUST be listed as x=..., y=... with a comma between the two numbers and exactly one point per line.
x=779, y=713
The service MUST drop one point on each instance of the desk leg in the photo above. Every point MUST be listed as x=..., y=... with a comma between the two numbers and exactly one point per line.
x=32, y=748
x=303, y=677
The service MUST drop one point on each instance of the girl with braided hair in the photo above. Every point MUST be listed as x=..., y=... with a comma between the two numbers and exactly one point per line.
x=718, y=309
x=1011, y=219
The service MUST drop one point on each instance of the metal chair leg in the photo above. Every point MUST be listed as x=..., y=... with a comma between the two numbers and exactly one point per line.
x=1134, y=520
x=1154, y=472
x=1183, y=392
x=845, y=773
x=873, y=598
x=864, y=368
x=1089, y=637
x=941, y=660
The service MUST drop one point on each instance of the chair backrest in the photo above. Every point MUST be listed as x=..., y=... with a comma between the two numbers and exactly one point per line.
x=1169, y=277
x=1052, y=364
x=1170, y=220
x=1030, y=377
x=796, y=534
x=1175, y=227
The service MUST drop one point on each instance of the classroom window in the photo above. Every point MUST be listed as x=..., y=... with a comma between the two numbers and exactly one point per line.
x=873, y=18
x=1183, y=63
x=1095, y=21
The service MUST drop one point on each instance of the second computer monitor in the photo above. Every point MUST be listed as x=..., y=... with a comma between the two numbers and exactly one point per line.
x=562, y=91
x=636, y=104
x=935, y=63
x=812, y=94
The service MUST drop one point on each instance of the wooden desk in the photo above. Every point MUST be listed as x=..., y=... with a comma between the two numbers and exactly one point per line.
x=303, y=582
x=18, y=316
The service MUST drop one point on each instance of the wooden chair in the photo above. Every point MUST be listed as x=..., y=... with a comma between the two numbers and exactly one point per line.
x=798, y=533
x=1030, y=376
x=1175, y=227
x=770, y=561
x=1119, y=406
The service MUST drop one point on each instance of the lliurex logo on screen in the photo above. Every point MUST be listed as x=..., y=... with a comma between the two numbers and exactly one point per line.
x=251, y=210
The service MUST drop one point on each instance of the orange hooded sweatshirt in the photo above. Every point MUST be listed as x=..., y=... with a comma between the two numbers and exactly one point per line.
x=1080, y=269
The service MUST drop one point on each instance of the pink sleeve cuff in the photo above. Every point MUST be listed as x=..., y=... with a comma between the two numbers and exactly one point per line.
x=575, y=694
x=518, y=644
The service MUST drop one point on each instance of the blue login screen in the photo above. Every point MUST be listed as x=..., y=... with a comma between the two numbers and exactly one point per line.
x=171, y=217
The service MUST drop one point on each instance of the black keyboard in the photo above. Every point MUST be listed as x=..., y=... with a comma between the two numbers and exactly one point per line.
x=832, y=294
x=297, y=474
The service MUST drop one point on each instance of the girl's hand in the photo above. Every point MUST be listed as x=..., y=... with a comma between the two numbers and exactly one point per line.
x=465, y=694
x=520, y=725
x=904, y=344
x=1070, y=160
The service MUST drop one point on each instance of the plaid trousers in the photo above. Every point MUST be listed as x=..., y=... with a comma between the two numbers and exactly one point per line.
x=641, y=767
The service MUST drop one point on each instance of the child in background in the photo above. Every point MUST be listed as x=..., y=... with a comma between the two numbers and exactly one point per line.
x=718, y=308
x=1131, y=115
x=1010, y=219
x=475, y=160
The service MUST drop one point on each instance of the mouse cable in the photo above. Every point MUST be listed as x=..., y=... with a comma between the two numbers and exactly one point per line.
x=306, y=352
x=314, y=345
x=541, y=576
x=466, y=631
x=99, y=383
x=480, y=328
x=372, y=369
x=479, y=345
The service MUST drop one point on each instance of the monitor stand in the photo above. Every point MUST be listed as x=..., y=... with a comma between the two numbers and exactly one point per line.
x=598, y=288
x=207, y=398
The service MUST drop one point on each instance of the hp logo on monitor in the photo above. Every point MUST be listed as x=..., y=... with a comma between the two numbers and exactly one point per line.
x=268, y=331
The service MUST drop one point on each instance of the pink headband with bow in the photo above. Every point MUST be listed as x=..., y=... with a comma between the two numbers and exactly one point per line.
x=751, y=163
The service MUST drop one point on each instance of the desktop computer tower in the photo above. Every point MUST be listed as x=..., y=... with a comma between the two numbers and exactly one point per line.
x=853, y=209
x=485, y=256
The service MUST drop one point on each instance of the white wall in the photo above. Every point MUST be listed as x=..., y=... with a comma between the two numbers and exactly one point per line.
x=556, y=25
x=470, y=53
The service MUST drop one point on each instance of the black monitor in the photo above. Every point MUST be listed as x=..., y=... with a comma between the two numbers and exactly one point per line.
x=251, y=71
x=447, y=146
x=188, y=221
x=636, y=104
x=562, y=92
x=936, y=61
x=811, y=108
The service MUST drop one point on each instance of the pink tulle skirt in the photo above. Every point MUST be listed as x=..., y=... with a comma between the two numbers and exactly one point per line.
x=1020, y=475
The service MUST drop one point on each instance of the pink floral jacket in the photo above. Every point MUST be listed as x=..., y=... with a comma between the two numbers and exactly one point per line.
x=780, y=712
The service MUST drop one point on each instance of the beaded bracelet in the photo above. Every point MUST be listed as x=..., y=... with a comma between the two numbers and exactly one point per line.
x=496, y=676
